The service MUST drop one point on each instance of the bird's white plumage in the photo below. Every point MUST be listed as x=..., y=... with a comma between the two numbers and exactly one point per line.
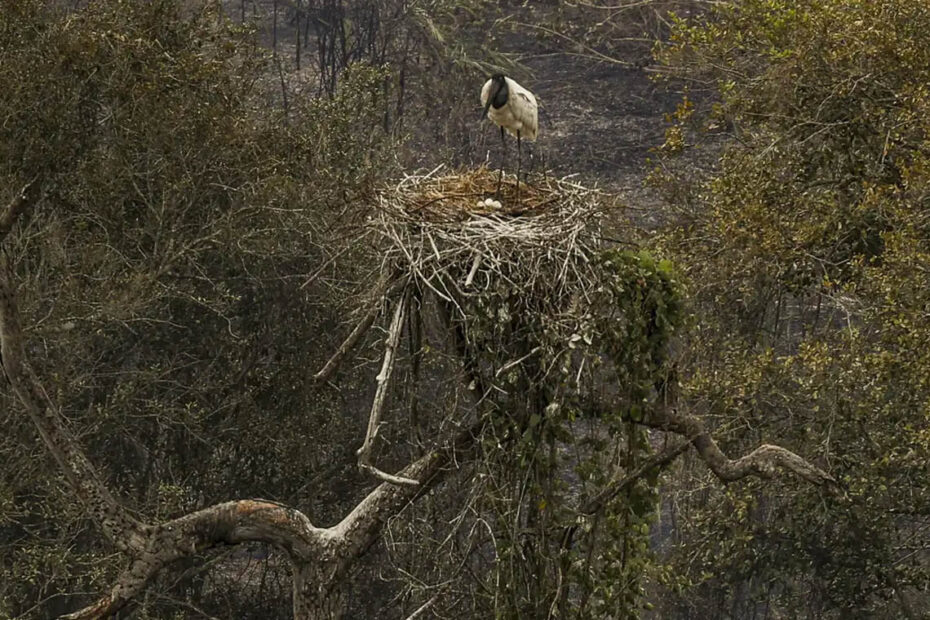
x=520, y=114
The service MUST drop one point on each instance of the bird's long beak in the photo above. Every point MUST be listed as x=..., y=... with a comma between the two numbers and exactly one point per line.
x=486, y=107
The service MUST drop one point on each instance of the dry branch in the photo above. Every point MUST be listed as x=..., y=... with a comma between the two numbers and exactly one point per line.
x=325, y=553
x=384, y=382
x=118, y=524
x=618, y=485
x=228, y=523
x=360, y=330
x=24, y=199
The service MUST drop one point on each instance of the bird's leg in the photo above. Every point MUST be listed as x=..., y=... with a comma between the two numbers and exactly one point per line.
x=500, y=173
x=519, y=162
x=544, y=161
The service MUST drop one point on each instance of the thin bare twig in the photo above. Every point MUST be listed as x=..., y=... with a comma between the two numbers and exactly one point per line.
x=360, y=330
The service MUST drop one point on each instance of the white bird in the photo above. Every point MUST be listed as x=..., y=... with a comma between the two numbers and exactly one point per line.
x=510, y=107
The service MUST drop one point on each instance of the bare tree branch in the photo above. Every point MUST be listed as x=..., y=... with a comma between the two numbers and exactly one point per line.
x=618, y=485
x=384, y=382
x=328, y=551
x=387, y=499
x=360, y=330
x=227, y=523
x=764, y=461
x=386, y=477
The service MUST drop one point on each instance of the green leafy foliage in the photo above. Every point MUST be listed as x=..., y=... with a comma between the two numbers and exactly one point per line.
x=548, y=450
x=807, y=249
x=644, y=309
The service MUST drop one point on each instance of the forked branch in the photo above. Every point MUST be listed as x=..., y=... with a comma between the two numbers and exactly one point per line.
x=227, y=523
x=360, y=330
x=377, y=405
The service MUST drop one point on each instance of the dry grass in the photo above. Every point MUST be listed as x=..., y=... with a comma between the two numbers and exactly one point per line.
x=459, y=195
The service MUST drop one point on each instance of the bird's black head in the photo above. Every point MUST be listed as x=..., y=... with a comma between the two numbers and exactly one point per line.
x=499, y=90
x=499, y=93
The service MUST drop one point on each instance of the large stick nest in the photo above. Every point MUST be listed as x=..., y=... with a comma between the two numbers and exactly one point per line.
x=538, y=245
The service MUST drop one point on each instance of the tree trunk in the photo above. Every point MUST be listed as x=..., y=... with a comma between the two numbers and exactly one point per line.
x=317, y=595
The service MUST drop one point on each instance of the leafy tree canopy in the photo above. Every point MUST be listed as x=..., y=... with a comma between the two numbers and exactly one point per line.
x=807, y=249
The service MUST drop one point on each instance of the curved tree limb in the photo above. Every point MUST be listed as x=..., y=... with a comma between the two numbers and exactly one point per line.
x=324, y=553
x=764, y=461
x=227, y=523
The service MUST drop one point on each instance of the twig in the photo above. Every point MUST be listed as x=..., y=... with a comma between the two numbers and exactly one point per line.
x=386, y=477
x=474, y=270
x=425, y=606
x=23, y=200
x=360, y=330
x=516, y=362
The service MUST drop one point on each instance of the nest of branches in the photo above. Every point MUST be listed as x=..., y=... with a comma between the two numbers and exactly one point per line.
x=446, y=234
x=513, y=276
x=461, y=195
